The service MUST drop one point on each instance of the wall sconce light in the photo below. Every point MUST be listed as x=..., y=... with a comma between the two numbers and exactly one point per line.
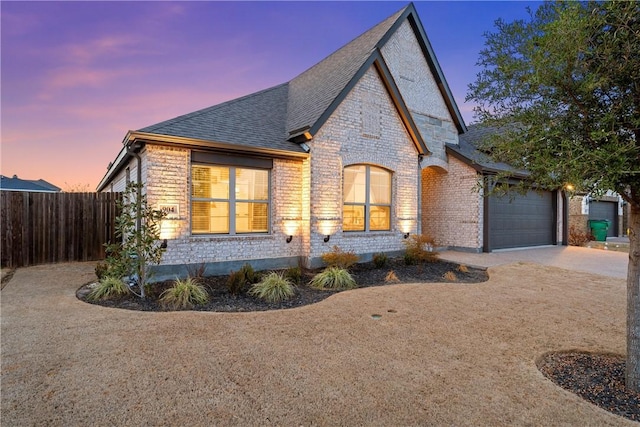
x=289, y=238
x=406, y=235
x=163, y=245
x=326, y=238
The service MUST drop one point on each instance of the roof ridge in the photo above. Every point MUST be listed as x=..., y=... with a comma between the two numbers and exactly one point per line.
x=362, y=35
x=202, y=111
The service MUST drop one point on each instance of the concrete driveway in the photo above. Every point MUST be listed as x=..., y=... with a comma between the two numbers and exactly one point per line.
x=606, y=263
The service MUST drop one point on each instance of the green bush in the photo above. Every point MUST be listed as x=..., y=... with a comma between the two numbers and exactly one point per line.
x=420, y=248
x=101, y=270
x=109, y=287
x=239, y=281
x=274, y=287
x=338, y=258
x=184, y=294
x=380, y=260
x=333, y=278
x=409, y=259
x=294, y=274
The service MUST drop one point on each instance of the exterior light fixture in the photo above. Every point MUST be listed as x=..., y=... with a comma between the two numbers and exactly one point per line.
x=406, y=235
x=326, y=238
x=289, y=238
x=163, y=245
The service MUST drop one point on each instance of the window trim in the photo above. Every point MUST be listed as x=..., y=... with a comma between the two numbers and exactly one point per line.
x=367, y=203
x=231, y=200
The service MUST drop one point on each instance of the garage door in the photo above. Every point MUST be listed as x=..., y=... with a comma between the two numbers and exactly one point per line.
x=605, y=210
x=521, y=220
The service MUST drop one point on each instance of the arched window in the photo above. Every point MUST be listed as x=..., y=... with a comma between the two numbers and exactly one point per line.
x=367, y=199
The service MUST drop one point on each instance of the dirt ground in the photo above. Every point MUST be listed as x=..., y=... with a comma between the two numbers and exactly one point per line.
x=417, y=354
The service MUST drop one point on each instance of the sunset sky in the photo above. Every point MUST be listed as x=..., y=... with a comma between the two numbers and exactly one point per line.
x=76, y=76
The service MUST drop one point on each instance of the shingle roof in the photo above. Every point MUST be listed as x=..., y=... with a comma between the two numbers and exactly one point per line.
x=267, y=119
x=470, y=150
x=312, y=92
x=17, y=184
x=256, y=120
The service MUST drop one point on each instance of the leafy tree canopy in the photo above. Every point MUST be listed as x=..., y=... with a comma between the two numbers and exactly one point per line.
x=564, y=89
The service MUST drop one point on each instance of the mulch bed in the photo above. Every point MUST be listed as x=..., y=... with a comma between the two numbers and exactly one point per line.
x=597, y=378
x=365, y=275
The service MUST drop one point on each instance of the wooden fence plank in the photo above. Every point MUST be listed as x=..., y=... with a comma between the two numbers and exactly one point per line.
x=55, y=227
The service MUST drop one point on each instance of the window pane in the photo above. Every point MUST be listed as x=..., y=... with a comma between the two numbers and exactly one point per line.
x=355, y=184
x=209, y=217
x=209, y=182
x=380, y=186
x=252, y=184
x=380, y=218
x=252, y=217
x=353, y=218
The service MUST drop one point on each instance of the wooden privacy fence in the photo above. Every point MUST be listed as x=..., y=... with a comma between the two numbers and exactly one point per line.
x=40, y=228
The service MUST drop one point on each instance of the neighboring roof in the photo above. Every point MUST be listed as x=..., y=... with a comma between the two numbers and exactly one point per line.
x=469, y=151
x=17, y=184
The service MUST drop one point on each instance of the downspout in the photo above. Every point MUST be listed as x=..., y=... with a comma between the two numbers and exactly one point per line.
x=419, y=186
x=565, y=218
x=132, y=153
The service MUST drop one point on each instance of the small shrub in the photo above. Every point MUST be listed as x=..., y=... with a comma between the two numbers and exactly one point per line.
x=274, y=287
x=391, y=277
x=450, y=276
x=101, y=270
x=338, y=258
x=109, y=287
x=239, y=281
x=249, y=274
x=380, y=260
x=463, y=268
x=184, y=294
x=409, y=259
x=577, y=237
x=196, y=270
x=334, y=278
x=420, y=248
x=294, y=274
x=236, y=283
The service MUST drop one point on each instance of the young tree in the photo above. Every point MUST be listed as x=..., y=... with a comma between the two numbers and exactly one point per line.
x=138, y=225
x=564, y=86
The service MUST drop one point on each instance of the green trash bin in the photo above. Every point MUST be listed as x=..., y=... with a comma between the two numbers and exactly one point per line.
x=599, y=229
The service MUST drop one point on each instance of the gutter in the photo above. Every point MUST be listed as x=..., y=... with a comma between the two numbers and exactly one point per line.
x=137, y=139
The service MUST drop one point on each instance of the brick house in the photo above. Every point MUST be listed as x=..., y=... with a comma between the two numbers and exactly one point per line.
x=357, y=151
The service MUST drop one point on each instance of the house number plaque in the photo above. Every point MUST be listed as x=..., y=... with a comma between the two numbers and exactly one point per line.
x=171, y=210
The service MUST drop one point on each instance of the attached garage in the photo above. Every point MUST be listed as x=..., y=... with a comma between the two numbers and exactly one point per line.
x=520, y=220
x=535, y=218
x=605, y=210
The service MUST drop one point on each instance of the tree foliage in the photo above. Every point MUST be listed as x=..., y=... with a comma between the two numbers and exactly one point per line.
x=138, y=225
x=563, y=89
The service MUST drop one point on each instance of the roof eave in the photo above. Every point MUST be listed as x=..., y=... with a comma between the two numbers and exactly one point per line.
x=376, y=60
x=138, y=139
x=414, y=20
x=482, y=168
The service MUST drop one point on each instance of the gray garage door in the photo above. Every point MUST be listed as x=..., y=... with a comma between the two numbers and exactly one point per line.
x=605, y=210
x=521, y=220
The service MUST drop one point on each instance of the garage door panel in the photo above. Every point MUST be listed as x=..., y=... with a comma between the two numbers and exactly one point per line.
x=521, y=220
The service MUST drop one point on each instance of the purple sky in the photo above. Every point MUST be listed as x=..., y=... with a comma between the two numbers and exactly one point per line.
x=76, y=76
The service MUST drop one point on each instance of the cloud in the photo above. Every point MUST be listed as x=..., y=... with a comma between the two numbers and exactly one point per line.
x=107, y=47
